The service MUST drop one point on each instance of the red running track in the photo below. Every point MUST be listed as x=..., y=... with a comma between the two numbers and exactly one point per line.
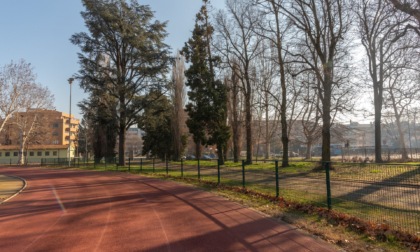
x=65, y=210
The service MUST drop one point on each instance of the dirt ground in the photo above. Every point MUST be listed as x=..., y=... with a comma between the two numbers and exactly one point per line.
x=9, y=186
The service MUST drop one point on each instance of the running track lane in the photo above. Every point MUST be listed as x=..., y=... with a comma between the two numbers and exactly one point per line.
x=65, y=210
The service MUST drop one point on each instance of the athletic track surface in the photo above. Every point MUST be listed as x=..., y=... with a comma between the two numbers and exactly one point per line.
x=67, y=210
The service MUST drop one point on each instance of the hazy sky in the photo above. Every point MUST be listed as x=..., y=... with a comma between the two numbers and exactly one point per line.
x=38, y=31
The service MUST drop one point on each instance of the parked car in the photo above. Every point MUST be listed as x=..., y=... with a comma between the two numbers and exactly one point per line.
x=206, y=157
x=280, y=155
x=293, y=154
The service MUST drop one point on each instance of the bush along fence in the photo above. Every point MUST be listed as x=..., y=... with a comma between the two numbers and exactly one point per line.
x=381, y=194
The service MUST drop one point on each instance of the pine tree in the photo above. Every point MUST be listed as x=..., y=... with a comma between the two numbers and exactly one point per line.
x=126, y=35
x=156, y=123
x=207, y=107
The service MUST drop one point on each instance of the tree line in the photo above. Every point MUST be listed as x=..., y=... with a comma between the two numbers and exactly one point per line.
x=275, y=63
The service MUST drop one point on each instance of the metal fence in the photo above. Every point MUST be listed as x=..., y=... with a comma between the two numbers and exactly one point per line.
x=379, y=193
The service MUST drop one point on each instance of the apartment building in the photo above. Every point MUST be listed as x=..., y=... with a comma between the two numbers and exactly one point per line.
x=37, y=134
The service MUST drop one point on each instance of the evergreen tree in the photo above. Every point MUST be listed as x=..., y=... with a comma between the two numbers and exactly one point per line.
x=100, y=111
x=156, y=123
x=124, y=37
x=207, y=108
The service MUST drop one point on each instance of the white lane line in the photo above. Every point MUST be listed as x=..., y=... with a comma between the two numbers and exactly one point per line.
x=58, y=199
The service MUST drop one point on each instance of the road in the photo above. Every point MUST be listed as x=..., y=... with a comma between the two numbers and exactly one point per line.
x=68, y=210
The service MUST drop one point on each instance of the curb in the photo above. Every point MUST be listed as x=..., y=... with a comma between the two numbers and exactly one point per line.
x=16, y=193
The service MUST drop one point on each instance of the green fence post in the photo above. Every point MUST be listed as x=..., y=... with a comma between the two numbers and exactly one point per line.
x=243, y=173
x=153, y=164
x=277, y=178
x=167, y=168
x=141, y=164
x=182, y=168
x=198, y=168
x=328, y=181
x=218, y=171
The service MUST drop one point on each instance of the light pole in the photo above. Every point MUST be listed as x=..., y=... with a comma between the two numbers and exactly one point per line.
x=70, y=80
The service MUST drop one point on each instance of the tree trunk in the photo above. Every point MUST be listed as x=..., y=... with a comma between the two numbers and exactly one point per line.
x=248, y=119
x=326, y=109
x=267, y=147
x=267, y=133
x=198, y=150
x=284, y=138
x=283, y=118
x=121, y=133
x=378, y=133
x=220, y=153
x=308, y=150
x=404, y=153
x=21, y=160
x=121, y=145
x=236, y=125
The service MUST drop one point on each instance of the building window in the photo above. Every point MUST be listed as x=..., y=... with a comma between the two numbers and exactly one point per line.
x=55, y=133
x=15, y=154
x=0, y=154
x=55, y=125
x=47, y=153
x=31, y=153
x=55, y=142
x=39, y=153
x=7, y=154
x=54, y=153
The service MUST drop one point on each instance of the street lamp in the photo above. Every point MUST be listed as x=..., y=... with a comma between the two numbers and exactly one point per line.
x=70, y=80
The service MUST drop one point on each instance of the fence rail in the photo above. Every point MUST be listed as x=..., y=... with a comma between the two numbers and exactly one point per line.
x=380, y=193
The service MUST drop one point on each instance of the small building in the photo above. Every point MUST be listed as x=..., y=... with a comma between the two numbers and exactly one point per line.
x=9, y=154
x=40, y=134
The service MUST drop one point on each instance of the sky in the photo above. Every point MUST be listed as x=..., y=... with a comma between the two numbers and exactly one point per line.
x=38, y=31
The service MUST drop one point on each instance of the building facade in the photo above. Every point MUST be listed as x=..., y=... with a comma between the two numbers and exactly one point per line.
x=38, y=134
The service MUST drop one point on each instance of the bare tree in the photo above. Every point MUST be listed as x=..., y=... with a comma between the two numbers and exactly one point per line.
x=19, y=91
x=323, y=25
x=32, y=130
x=380, y=31
x=266, y=80
x=402, y=91
x=411, y=8
x=178, y=96
x=311, y=116
x=274, y=30
x=238, y=44
x=235, y=112
x=20, y=100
